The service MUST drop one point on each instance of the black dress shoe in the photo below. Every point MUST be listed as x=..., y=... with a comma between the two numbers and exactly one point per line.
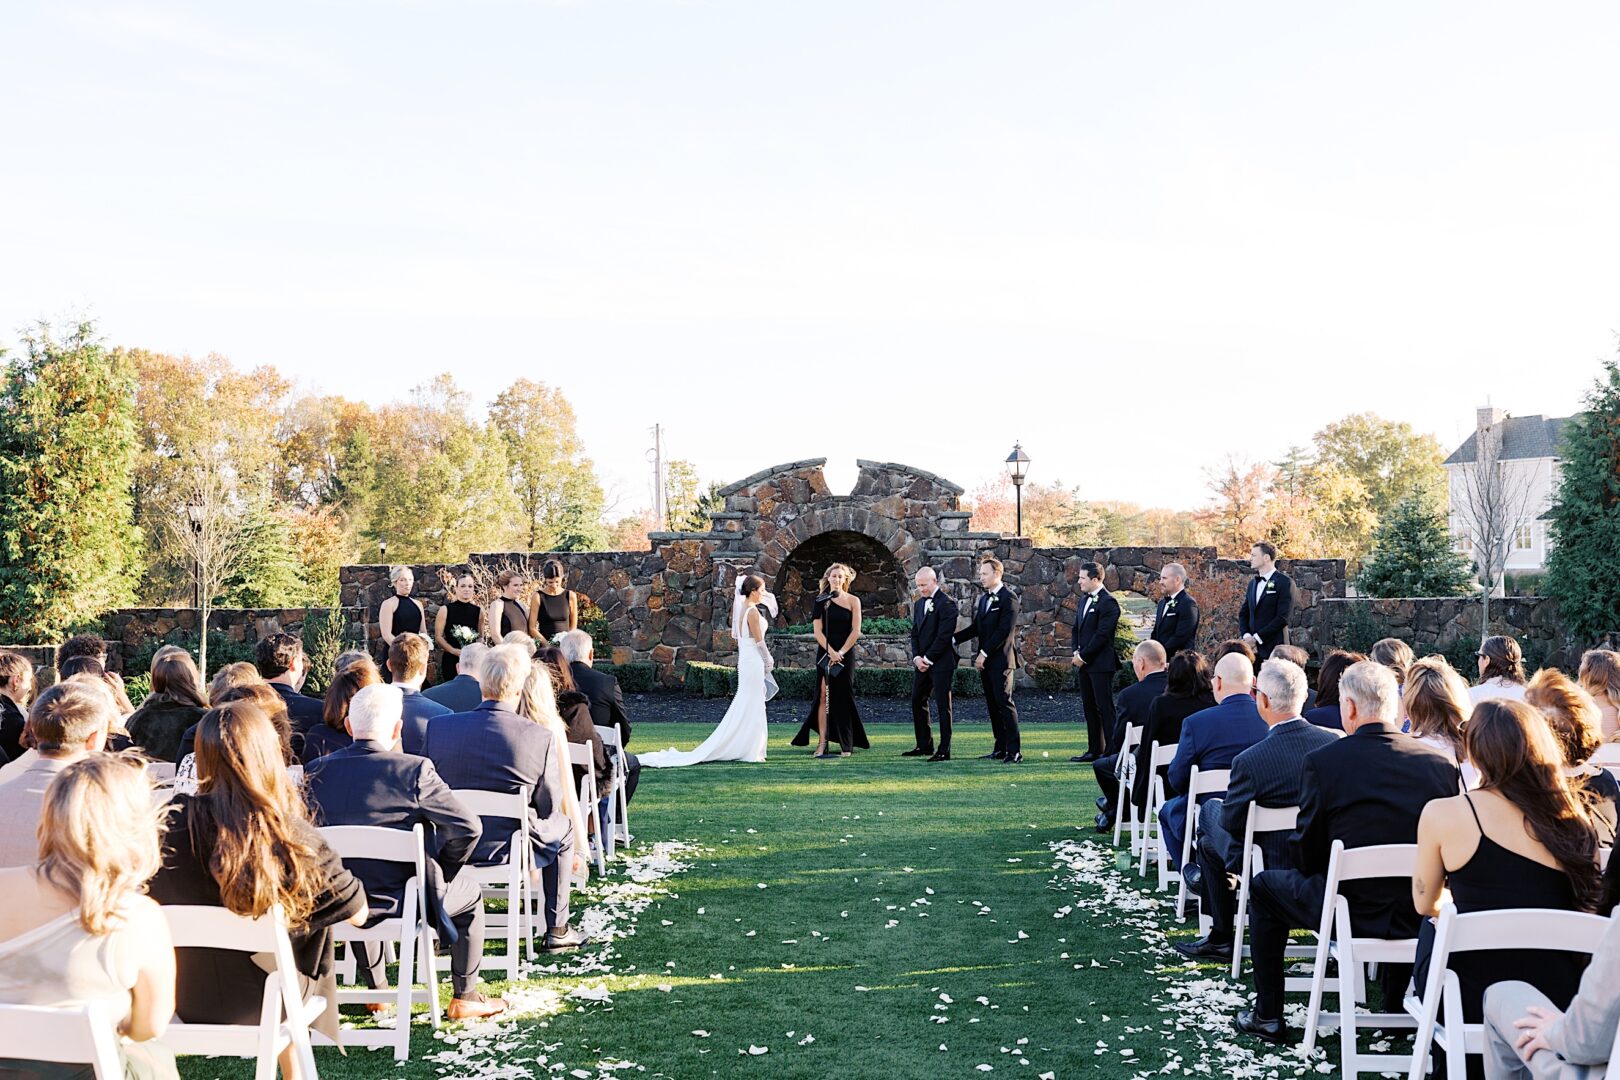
x=1272, y=1031
x=1013, y=759
x=1105, y=823
x=1193, y=875
x=1206, y=948
x=1102, y=800
x=1078, y=760
x=941, y=755
x=917, y=751
x=1086, y=758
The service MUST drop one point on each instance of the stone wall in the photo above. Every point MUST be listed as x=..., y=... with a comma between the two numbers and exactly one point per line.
x=128, y=629
x=1431, y=624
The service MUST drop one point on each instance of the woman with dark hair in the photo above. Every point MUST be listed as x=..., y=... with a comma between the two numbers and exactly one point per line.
x=1326, y=713
x=555, y=607
x=1187, y=690
x=333, y=733
x=1501, y=670
x=1575, y=722
x=174, y=705
x=575, y=710
x=506, y=612
x=1523, y=839
x=459, y=622
x=1233, y=645
x=244, y=842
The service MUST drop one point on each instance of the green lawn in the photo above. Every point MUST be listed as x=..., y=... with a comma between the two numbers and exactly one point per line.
x=835, y=912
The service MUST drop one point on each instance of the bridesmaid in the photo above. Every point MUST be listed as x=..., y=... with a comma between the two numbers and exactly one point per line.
x=460, y=610
x=836, y=620
x=400, y=613
x=556, y=607
x=506, y=612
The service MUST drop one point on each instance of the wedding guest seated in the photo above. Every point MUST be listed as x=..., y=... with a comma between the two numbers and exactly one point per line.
x=74, y=927
x=1210, y=740
x=1523, y=839
x=90, y=669
x=408, y=664
x=606, y=697
x=1501, y=670
x=1131, y=706
x=538, y=704
x=68, y=722
x=16, y=691
x=1600, y=677
x=574, y=709
x=1527, y=1036
x=1365, y=789
x=281, y=662
x=492, y=748
x=1235, y=645
x=461, y=694
x=333, y=732
x=254, y=690
x=1435, y=703
x=231, y=676
x=1186, y=691
x=1574, y=719
x=244, y=842
x=1266, y=774
x=1394, y=654
x=1302, y=660
x=1326, y=714
x=175, y=703
x=348, y=658
x=371, y=782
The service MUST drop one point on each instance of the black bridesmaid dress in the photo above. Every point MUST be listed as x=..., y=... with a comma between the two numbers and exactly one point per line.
x=456, y=614
x=843, y=718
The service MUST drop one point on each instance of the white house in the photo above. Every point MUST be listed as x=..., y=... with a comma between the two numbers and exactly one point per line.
x=1529, y=459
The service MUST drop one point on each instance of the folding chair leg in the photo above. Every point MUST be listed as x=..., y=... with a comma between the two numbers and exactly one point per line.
x=430, y=974
x=402, y=1005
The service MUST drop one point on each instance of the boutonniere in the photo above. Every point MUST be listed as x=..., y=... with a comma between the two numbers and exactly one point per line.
x=928, y=606
x=1271, y=586
x=1169, y=607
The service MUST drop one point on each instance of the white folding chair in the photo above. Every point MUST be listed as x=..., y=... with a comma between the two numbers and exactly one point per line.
x=1607, y=754
x=161, y=772
x=82, y=1035
x=1159, y=757
x=411, y=931
x=579, y=754
x=1262, y=819
x=1201, y=782
x=195, y=927
x=1126, y=806
x=1603, y=858
x=619, y=805
x=1440, y=1014
x=509, y=879
x=1336, y=939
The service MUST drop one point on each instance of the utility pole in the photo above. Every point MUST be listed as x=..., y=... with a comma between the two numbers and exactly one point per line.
x=656, y=456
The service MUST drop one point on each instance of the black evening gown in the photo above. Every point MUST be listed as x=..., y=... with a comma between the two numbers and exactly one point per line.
x=408, y=619
x=456, y=614
x=552, y=618
x=843, y=718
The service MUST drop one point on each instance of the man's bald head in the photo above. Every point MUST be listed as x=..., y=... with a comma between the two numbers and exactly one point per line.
x=927, y=581
x=1234, y=675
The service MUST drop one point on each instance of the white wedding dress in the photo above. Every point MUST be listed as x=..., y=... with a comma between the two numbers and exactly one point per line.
x=740, y=735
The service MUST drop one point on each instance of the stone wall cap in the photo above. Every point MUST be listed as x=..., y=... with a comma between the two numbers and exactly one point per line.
x=895, y=466
x=774, y=470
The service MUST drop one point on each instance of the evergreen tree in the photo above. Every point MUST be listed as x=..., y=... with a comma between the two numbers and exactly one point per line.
x=67, y=458
x=1412, y=555
x=269, y=573
x=1585, y=525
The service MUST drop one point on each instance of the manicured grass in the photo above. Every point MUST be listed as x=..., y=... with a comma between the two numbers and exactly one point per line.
x=847, y=900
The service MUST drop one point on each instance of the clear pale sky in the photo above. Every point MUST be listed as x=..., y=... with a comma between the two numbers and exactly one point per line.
x=1136, y=237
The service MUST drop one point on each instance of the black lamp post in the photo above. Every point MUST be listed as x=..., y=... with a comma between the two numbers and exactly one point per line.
x=196, y=511
x=382, y=551
x=1018, y=467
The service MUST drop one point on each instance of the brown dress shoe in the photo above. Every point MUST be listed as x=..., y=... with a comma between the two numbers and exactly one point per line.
x=468, y=1009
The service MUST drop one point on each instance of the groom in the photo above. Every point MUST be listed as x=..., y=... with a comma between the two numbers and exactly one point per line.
x=994, y=618
x=933, y=655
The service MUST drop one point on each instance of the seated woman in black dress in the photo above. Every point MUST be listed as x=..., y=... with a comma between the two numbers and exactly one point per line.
x=244, y=842
x=1577, y=725
x=555, y=607
x=836, y=620
x=1525, y=838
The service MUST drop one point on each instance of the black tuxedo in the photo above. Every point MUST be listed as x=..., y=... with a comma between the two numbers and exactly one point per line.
x=933, y=624
x=1095, y=621
x=368, y=784
x=995, y=615
x=1266, y=609
x=1175, y=627
x=1366, y=789
x=1131, y=706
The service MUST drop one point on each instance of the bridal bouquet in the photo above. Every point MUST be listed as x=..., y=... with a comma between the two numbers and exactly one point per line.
x=463, y=636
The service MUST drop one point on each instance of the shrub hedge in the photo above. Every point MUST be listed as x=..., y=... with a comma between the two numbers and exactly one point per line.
x=636, y=677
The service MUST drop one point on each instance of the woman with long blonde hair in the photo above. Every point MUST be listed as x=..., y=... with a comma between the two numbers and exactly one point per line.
x=1435, y=700
x=836, y=623
x=75, y=928
x=539, y=703
x=1600, y=677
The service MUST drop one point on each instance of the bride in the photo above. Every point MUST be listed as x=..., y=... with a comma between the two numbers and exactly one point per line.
x=741, y=734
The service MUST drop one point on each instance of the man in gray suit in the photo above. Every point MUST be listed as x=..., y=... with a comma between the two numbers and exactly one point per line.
x=1526, y=1037
x=1266, y=774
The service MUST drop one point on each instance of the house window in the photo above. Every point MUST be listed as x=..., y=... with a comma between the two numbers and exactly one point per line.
x=1523, y=538
x=1465, y=544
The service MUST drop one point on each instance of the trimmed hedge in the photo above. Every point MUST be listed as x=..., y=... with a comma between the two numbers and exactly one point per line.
x=636, y=677
x=718, y=680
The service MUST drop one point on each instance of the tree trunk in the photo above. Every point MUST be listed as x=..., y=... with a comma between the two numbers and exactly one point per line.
x=202, y=640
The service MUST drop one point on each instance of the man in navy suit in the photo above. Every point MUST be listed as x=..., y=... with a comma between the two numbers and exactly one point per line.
x=369, y=782
x=1268, y=601
x=995, y=617
x=933, y=656
x=407, y=662
x=1266, y=774
x=1092, y=638
x=1368, y=788
x=1175, y=621
x=1131, y=708
x=461, y=694
x=492, y=748
x=281, y=662
x=1211, y=739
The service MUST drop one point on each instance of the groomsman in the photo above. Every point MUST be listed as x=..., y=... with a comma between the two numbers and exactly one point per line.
x=1093, y=642
x=1175, y=623
x=1267, y=602
x=933, y=655
x=994, y=617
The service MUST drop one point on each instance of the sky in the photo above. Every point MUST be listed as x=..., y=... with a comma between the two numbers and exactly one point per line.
x=1136, y=238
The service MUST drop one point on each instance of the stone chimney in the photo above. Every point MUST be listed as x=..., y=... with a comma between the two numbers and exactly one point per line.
x=1488, y=417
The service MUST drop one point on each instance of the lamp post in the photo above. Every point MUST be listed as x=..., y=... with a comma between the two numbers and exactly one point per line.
x=196, y=512
x=382, y=551
x=1018, y=467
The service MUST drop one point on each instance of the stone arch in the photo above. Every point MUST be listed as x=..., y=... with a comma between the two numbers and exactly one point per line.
x=880, y=581
x=904, y=549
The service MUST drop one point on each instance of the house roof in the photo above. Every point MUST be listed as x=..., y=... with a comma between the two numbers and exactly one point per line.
x=1522, y=437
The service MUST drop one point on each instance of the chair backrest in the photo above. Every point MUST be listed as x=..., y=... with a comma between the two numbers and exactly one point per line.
x=507, y=804
x=79, y=1035
x=1273, y=818
x=1133, y=739
x=200, y=927
x=376, y=842
x=609, y=736
x=1206, y=782
x=1603, y=858
x=579, y=754
x=161, y=772
x=1522, y=928
x=1607, y=754
x=1378, y=861
x=1162, y=756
